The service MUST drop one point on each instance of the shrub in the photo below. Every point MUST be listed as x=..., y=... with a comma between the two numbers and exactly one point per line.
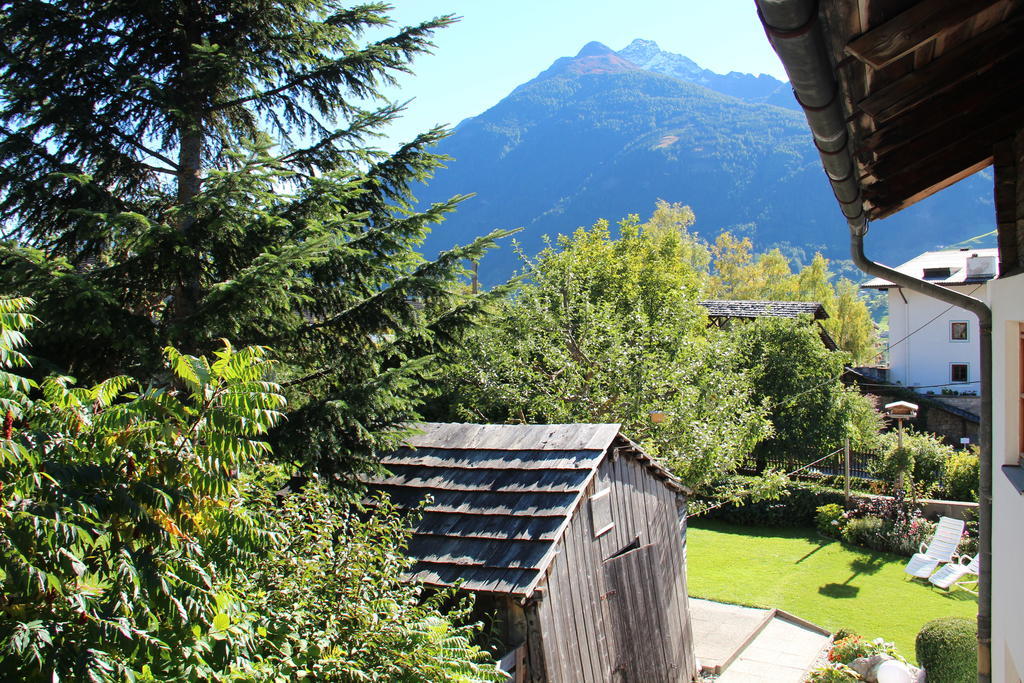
x=969, y=543
x=830, y=520
x=947, y=649
x=833, y=672
x=864, y=531
x=898, y=526
x=847, y=649
x=841, y=634
x=923, y=456
x=893, y=464
x=960, y=478
x=798, y=506
x=335, y=606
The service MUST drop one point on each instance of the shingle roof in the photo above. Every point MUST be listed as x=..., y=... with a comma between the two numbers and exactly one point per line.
x=764, y=309
x=932, y=266
x=500, y=497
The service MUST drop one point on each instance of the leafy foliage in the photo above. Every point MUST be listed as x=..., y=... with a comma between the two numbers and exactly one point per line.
x=960, y=476
x=796, y=505
x=334, y=606
x=923, y=460
x=609, y=331
x=739, y=273
x=889, y=524
x=798, y=379
x=122, y=516
x=832, y=672
x=853, y=647
x=137, y=542
x=829, y=520
x=844, y=651
x=203, y=170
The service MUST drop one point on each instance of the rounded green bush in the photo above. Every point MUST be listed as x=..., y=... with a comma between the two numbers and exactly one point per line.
x=947, y=648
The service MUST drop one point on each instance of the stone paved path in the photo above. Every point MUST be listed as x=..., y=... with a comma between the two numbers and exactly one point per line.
x=748, y=645
x=782, y=653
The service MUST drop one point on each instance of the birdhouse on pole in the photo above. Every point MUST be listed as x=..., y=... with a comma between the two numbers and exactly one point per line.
x=901, y=410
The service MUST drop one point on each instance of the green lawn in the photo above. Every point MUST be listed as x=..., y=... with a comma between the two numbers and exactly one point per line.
x=827, y=582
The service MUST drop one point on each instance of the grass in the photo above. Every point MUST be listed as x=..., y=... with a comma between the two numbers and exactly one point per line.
x=832, y=584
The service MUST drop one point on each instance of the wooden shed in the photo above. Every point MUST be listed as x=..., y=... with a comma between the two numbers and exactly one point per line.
x=571, y=534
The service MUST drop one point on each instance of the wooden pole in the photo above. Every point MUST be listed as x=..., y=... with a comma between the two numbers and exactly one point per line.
x=846, y=469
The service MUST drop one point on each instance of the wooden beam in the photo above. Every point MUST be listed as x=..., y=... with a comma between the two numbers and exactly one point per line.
x=913, y=27
x=965, y=61
x=1007, y=171
x=978, y=129
x=904, y=192
x=988, y=95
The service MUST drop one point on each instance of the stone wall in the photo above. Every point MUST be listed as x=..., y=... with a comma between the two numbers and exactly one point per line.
x=932, y=418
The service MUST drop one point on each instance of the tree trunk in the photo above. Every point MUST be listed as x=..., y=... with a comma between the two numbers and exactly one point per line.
x=188, y=288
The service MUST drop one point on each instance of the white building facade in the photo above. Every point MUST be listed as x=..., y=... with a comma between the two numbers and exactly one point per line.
x=933, y=347
x=1006, y=299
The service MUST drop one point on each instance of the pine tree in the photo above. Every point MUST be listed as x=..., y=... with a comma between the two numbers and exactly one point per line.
x=176, y=172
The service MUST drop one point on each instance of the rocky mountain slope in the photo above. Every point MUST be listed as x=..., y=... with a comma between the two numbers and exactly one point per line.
x=605, y=134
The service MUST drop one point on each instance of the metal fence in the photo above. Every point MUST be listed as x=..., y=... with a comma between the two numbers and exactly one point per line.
x=833, y=465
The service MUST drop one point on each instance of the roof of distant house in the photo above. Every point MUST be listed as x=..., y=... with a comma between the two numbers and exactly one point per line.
x=500, y=497
x=764, y=309
x=950, y=267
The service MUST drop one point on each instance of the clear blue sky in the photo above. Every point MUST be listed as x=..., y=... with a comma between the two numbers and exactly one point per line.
x=499, y=45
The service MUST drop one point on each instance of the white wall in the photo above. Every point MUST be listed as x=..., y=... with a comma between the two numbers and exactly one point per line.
x=923, y=359
x=1006, y=297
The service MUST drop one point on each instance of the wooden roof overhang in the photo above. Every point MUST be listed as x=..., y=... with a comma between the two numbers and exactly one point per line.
x=929, y=89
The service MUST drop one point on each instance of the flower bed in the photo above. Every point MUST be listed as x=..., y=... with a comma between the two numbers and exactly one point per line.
x=890, y=524
x=853, y=658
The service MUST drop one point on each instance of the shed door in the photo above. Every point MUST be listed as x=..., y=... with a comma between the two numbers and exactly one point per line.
x=637, y=612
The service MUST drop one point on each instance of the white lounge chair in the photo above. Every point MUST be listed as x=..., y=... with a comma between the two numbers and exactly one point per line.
x=951, y=574
x=941, y=549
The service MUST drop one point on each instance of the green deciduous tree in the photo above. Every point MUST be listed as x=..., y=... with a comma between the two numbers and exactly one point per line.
x=609, y=330
x=185, y=171
x=739, y=273
x=798, y=379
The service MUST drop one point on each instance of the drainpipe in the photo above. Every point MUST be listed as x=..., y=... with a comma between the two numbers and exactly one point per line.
x=794, y=30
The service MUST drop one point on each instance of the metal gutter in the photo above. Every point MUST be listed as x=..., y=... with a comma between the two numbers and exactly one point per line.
x=794, y=30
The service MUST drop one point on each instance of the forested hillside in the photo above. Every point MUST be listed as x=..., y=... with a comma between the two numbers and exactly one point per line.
x=601, y=136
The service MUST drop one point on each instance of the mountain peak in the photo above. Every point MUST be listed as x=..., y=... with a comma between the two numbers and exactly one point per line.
x=595, y=49
x=761, y=88
x=642, y=46
x=647, y=55
x=594, y=58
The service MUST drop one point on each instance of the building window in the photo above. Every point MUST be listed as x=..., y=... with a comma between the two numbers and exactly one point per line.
x=601, y=511
x=958, y=331
x=958, y=372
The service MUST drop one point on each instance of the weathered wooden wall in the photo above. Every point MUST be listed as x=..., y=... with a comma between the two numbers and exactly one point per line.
x=611, y=615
